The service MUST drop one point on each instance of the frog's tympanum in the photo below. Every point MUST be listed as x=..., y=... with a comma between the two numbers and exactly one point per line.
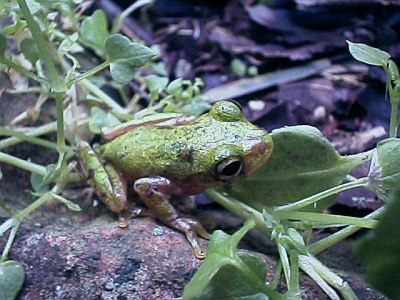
x=176, y=156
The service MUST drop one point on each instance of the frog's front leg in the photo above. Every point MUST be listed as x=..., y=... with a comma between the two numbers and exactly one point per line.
x=153, y=191
x=108, y=183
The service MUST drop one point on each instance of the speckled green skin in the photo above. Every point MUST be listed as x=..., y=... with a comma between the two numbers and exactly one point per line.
x=187, y=154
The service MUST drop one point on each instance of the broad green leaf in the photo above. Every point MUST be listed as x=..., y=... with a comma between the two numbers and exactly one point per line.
x=379, y=250
x=119, y=47
x=3, y=44
x=12, y=276
x=389, y=160
x=94, y=30
x=30, y=50
x=368, y=54
x=223, y=264
x=126, y=57
x=303, y=162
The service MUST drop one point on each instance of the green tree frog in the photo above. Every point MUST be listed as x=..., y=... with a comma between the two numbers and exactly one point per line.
x=175, y=156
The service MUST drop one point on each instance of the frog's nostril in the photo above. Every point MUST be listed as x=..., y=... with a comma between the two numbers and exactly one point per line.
x=259, y=148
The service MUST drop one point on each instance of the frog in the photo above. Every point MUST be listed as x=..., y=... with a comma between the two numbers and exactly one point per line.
x=176, y=155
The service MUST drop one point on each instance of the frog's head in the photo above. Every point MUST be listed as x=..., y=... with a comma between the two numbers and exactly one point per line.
x=245, y=147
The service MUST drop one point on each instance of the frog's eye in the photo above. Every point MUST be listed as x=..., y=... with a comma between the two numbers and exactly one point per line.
x=229, y=168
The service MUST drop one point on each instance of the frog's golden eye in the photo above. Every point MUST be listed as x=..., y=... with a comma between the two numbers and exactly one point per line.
x=229, y=168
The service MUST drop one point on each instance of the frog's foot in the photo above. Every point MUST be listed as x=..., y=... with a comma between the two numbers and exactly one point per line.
x=191, y=228
x=154, y=193
x=108, y=183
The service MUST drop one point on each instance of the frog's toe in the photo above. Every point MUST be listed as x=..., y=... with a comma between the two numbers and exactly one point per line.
x=192, y=229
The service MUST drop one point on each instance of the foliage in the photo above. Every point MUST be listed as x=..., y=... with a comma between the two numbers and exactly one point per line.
x=379, y=250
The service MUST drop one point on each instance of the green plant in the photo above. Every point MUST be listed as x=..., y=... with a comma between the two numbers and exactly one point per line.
x=298, y=181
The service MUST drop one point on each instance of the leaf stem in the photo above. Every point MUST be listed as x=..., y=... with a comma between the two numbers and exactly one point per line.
x=44, y=129
x=22, y=164
x=42, y=45
x=87, y=74
x=325, y=218
x=103, y=96
x=118, y=21
x=23, y=71
x=336, y=237
x=240, y=209
x=329, y=192
x=26, y=138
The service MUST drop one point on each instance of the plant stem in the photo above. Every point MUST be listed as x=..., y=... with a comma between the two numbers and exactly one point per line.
x=240, y=209
x=393, y=120
x=26, y=138
x=327, y=242
x=22, y=164
x=34, y=168
x=314, y=198
x=43, y=47
x=293, y=286
x=23, y=71
x=10, y=240
x=325, y=218
x=120, y=19
x=87, y=74
x=44, y=129
x=103, y=96
x=331, y=278
x=60, y=128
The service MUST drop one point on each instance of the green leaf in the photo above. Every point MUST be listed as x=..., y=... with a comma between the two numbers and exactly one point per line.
x=379, y=250
x=302, y=163
x=175, y=87
x=30, y=50
x=94, y=30
x=368, y=54
x=13, y=28
x=119, y=47
x=37, y=184
x=125, y=57
x=388, y=156
x=3, y=44
x=156, y=84
x=12, y=276
x=238, y=67
x=100, y=119
x=244, y=272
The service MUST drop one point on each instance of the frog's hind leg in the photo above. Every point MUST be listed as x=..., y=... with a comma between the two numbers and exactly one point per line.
x=109, y=185
x=153, y=191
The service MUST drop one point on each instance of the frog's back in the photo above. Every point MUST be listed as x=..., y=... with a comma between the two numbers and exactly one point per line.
x=153, y=151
